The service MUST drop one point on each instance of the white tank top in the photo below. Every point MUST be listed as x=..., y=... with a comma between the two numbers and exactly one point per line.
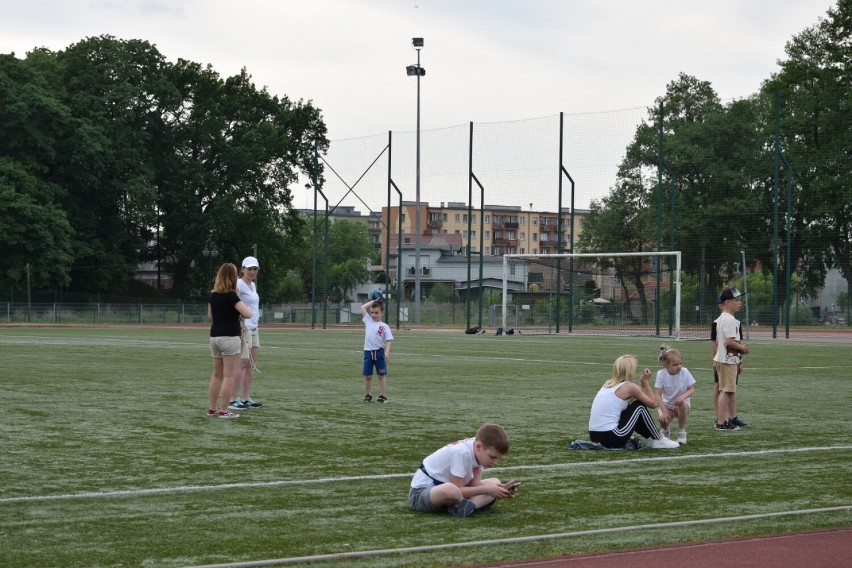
x=606, y=409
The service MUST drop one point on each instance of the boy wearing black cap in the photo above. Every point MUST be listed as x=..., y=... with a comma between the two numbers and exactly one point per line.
x=729, y=352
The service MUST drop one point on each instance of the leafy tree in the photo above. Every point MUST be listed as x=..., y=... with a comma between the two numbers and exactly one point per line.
x=815, y=89
x=350, y=252
x=440, y=293
x=34, y=128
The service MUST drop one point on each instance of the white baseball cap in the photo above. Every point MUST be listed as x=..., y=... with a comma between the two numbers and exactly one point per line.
x=249, y=262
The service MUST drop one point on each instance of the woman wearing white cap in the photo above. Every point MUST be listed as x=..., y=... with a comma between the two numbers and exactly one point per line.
x=247, y=289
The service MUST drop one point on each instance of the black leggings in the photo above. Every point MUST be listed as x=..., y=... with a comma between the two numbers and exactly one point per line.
x=635, y=418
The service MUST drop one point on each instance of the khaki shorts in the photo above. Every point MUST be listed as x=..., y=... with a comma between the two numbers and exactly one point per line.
x=224, y=346
x=250, y=339
x=727, y=376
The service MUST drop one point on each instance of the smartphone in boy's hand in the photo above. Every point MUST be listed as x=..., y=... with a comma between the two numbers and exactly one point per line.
x=512, y=486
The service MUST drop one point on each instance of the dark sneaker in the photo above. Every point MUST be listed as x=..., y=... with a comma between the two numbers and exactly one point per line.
x=238, y=405
x=722, y=426
x=731, y=425
x=251, y=403
x=368, y=398
x=737, y=422
x=382, y=398
x=463, y=508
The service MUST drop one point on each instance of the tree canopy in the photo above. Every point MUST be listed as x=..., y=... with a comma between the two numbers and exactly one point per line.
x=111, y=156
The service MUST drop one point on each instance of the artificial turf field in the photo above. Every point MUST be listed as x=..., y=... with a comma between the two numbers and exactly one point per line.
x=109, y=459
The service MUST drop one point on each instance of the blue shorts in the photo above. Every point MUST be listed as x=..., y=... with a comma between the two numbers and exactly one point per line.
x=375, y=359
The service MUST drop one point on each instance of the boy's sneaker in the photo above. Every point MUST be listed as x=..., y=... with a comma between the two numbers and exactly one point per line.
x=238, y=405
x=368, y=398
x=737, y=422
x=463, y=508
x=212, y=412
x=662, y=443
x=251, y=403
x=382, y=398
x=228, y=414
x=731, y=425
x=726, y=426
x=681, y=437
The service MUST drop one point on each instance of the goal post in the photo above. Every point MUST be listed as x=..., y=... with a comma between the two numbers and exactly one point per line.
x=617, y=293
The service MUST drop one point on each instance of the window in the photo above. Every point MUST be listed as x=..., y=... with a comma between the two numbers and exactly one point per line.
x=445, y=231
x=464, y=218
x=488, y=234
x=457, y=217
x=498, y=234
x=535, y=222
x=488, y=218
x=510, y=235
x=522, y=251
x=544, y=238
x=535, y=238
x=445, y=217
x=473, y=218
x=535, y=251
x=523, y=220
x=523, y=237
x=403, y=217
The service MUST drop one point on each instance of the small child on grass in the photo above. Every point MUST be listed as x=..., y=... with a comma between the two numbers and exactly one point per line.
x=674, y=388
x=377, y=348
x=450, y=479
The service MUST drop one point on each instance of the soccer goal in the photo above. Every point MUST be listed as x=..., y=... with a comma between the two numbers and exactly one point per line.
x=622, y=293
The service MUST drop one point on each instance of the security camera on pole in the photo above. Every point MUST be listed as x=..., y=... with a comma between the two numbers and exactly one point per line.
x=417, y=71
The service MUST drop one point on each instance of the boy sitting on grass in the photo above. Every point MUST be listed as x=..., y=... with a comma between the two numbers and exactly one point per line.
x=450, y=479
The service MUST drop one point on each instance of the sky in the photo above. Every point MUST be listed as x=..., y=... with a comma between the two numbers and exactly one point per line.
x=486, y=61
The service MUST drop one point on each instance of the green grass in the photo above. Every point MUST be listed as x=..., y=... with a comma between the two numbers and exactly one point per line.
x=109, y=459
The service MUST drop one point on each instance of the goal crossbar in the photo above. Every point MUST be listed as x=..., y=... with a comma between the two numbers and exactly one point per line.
x=508, y=258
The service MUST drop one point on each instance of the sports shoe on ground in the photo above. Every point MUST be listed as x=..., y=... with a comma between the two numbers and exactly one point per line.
x=368, y=398
x=212, y=412
x=737, y=422
x=463, y=508
x=382, y=398
x=731, y=425
x=238, y=405
x=726, y=426
x=228, y=414
x=681, y=437
x=251, y=403
x=662, y=443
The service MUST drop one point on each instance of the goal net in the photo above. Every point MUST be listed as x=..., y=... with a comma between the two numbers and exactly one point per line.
x=626, y=293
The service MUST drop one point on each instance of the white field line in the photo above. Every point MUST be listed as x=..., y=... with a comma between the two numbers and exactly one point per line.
x=345, y=479
x=521, y=539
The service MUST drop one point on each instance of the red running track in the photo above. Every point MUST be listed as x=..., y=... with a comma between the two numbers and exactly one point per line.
x=820, y=549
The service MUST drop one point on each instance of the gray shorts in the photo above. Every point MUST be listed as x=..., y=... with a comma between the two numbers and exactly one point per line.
x=418, y=499
x=224, y=346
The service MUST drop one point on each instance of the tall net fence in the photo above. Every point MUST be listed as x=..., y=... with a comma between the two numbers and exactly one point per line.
x=740, y=187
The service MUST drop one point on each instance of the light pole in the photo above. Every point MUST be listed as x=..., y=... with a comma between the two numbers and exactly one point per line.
x=210, y=252
x=417, y=71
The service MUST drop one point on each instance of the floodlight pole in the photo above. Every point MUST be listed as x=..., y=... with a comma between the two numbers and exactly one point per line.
x=418, y=44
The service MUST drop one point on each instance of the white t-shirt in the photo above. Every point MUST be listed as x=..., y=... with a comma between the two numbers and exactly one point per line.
x=376, y=333
x=726, y=326
x=249, y=296
x=455, y=459
x=606, y=409
x=673, y=385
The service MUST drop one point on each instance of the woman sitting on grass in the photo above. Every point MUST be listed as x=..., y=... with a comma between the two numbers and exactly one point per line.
x=614, y=417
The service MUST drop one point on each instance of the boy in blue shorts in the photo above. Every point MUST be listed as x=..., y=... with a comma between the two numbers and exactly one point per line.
x=450, y=479
x=377, y=347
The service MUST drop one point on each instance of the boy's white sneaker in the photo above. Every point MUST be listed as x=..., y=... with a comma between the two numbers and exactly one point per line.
x=662, y=443
x=681, y=437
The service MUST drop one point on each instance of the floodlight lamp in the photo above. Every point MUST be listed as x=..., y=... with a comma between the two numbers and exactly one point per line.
x=417, y=42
